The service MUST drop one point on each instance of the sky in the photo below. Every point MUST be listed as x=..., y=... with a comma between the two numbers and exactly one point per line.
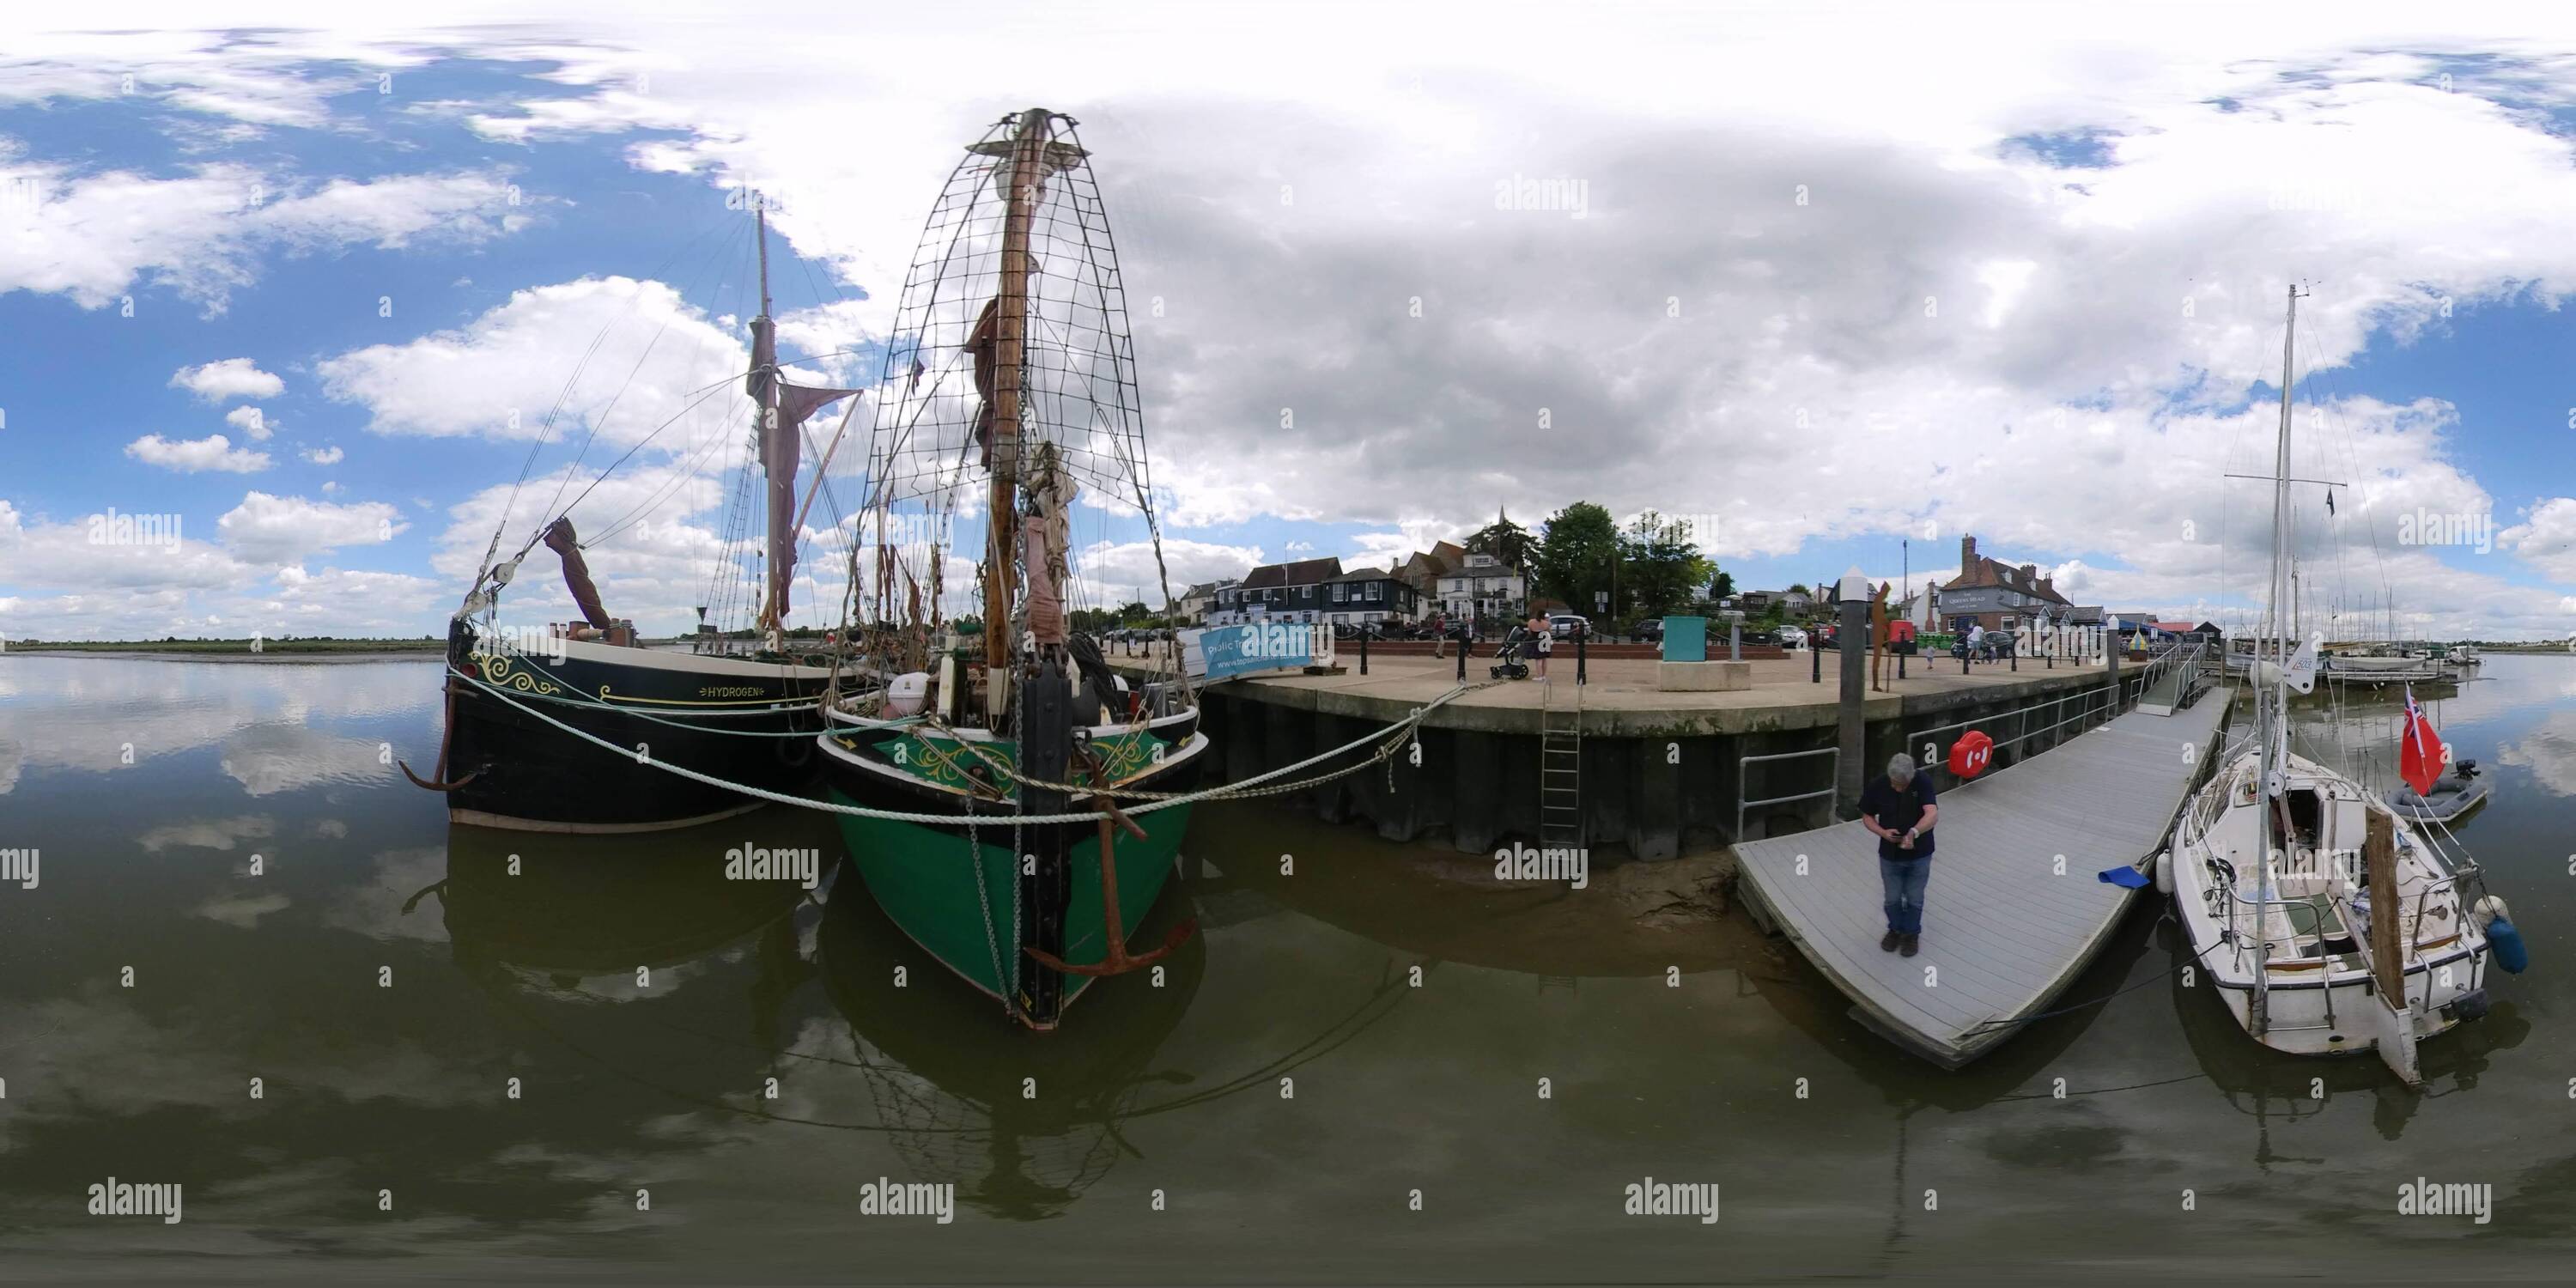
x=317, y=288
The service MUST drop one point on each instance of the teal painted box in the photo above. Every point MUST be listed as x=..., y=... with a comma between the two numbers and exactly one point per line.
x=1685, y=639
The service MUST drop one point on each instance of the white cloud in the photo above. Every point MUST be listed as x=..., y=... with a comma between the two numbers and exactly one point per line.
x=229, y=378
x=657, y=359
x=249, y=420
x=275, y=529
x=93, y=236
x=190, y=456
x=323, y=455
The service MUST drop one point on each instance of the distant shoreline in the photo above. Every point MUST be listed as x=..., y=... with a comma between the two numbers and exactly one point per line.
x=236, y=650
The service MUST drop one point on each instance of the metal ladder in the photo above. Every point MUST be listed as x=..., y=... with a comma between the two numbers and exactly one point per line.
x=1560, y=767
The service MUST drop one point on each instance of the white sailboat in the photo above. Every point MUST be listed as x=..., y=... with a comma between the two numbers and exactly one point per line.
x=2326, y=924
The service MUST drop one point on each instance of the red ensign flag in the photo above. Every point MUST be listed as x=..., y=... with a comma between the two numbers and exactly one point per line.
x=2419, y=757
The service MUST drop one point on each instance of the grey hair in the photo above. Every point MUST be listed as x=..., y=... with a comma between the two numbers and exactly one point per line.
x=1900, y=766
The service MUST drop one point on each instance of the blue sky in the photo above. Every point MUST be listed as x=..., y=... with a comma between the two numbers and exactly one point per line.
x=2035, y=296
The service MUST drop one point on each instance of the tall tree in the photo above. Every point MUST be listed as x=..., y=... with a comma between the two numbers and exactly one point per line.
x=1577, y=556
x=1660, y=566
x=1504, y=540
x=1721, y=583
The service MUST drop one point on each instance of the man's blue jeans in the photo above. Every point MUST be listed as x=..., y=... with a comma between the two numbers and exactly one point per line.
x=1904, y=880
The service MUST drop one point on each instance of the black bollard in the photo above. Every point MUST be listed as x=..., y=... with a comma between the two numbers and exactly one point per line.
x=1364, y=634
x=1462, y=656
x=1581, y=634
x=1815, y=661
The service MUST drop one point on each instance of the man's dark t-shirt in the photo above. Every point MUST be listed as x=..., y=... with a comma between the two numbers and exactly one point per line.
x=1896, y=809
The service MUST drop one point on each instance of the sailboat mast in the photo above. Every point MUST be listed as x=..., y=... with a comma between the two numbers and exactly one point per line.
x=2275, y=704
x=778, y=450
x=1028, y=151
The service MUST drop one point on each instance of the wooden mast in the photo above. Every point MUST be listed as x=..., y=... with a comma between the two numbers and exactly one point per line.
x=780, y=549
x=1028, y=153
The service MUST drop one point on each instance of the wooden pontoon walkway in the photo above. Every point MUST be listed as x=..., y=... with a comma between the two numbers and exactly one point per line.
x=2004, y=933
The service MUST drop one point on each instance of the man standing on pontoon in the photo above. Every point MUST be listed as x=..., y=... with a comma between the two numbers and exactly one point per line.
x=1899, y=808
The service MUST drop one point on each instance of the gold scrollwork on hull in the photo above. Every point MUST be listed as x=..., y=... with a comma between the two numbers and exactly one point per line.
x=498, y=671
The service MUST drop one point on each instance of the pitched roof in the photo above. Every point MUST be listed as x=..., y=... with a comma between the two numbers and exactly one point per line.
x=1304, y=572
x=1363, y=574
x=1986, y=571
x=1449, y=553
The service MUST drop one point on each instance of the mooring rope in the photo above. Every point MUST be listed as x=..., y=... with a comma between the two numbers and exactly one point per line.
x=1229, y=791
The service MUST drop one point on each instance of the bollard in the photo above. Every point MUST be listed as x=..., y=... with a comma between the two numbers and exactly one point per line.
x=1900, y=666
x=1582, y=636
x=1815, y=661
x=1364, y=634
x=1462, y=655
x=2015, y=646
x=1735, y=641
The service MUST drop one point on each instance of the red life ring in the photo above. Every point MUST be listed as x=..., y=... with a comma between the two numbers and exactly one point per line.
x=1971, y=754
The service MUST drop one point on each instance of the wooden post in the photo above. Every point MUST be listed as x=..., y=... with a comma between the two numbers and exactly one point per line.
x=1852, y=732
x=2379, y=865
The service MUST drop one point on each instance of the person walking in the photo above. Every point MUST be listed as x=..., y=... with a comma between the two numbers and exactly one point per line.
x=1977, y=641
x=1439, y=635
x=1541, y=639
x=1899, y=808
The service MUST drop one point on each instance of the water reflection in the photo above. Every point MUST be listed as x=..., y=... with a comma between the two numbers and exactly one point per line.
x=88, y=715
x=1023, y=1123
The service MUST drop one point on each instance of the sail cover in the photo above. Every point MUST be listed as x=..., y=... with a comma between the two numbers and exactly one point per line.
x=784, y=407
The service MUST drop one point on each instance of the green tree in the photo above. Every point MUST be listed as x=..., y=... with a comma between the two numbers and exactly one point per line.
x=1660, y=566
x=1504, y=540
x=1577, y=555
x=1721, y=584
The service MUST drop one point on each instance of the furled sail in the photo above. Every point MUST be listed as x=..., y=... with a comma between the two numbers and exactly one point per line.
x=783, y=409
x=560, y=539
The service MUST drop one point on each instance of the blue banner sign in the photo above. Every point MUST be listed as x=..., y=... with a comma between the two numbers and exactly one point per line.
x=1254, y=646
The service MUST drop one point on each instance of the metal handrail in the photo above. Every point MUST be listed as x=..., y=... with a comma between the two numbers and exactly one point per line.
x=1832, y=781
x=2088, y=697
x=2263, y=947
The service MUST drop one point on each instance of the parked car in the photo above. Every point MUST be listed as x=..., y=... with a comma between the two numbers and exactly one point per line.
x=1759, y=635
x=1564, y=625
x=1793, y=637
x=1649, y=631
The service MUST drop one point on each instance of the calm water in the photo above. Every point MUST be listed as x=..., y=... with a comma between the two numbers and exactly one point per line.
x=151, y=789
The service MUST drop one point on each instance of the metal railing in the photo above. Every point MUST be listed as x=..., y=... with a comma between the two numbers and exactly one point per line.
x=2091, y=699
x=2262, y=951
x=1833, y=781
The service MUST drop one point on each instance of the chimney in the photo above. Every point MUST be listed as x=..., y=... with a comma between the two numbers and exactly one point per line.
x=1967, y=553
x=2048, y=585
x=2030, y=572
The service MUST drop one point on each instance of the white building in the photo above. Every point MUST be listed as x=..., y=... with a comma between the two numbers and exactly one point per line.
x=1483, y=587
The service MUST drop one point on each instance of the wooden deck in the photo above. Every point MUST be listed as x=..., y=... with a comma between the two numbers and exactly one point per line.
x=2003, y=934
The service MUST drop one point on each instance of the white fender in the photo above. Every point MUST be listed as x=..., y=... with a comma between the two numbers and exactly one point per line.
x=2164, y=872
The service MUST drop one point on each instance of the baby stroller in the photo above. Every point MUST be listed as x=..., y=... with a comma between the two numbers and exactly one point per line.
x=1511, y=662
